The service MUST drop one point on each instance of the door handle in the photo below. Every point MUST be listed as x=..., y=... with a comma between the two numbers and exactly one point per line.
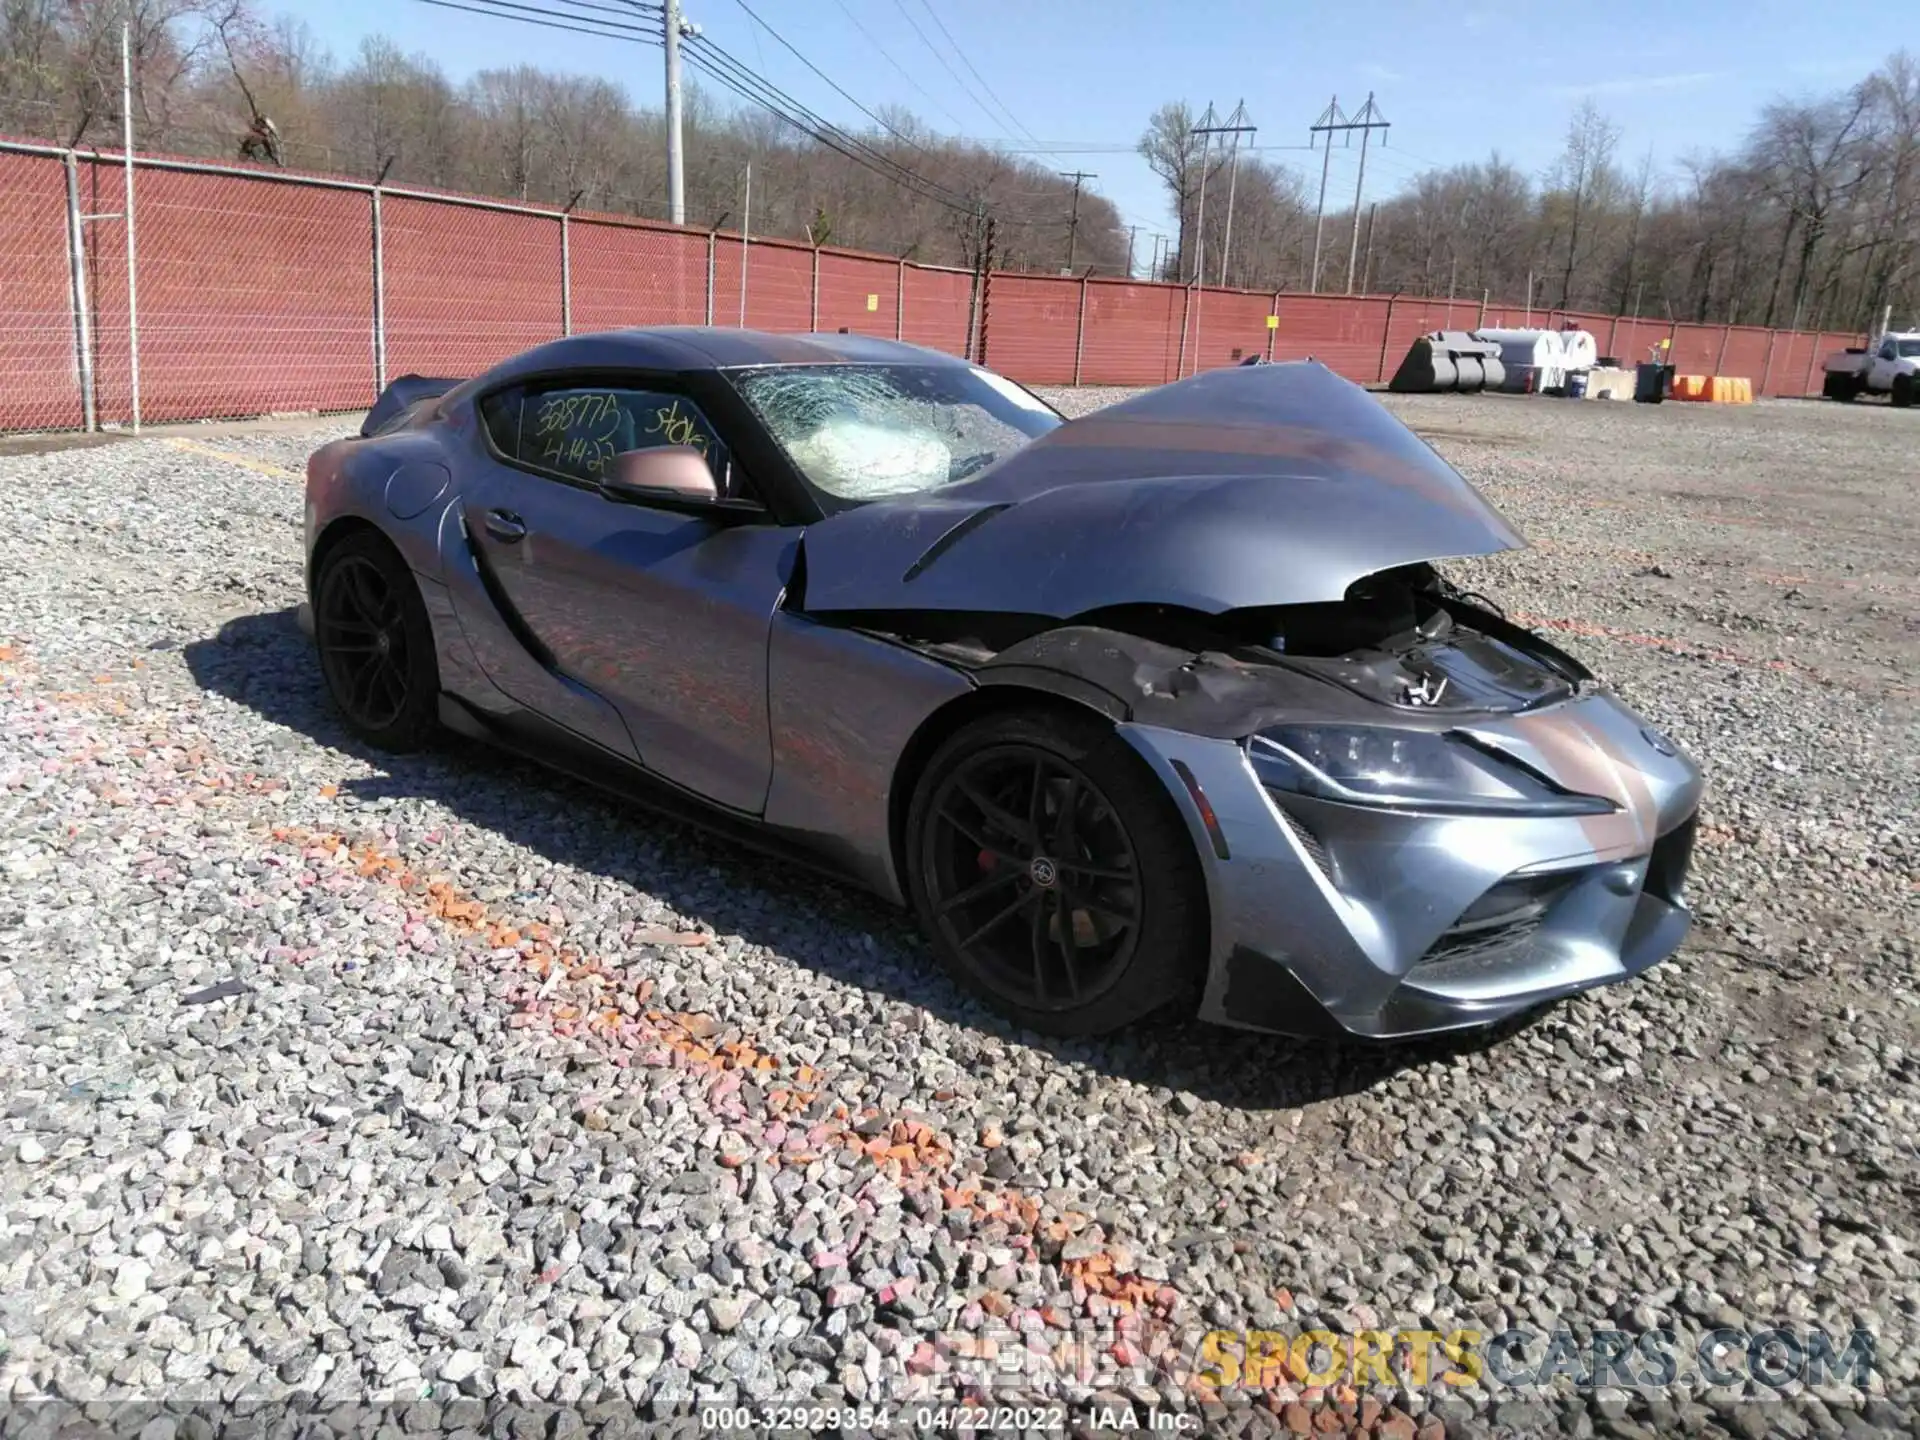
x=506, y=526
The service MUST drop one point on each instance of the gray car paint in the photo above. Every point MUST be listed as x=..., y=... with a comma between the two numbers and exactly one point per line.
x=1353, y=937
x=1241, y=488
x=842, y=707
x=615, y=591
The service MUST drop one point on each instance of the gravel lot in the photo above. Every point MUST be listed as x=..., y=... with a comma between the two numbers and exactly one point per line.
x=331, y=1073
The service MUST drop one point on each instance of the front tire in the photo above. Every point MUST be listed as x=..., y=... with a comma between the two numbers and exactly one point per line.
x=376, y=644
x=1902, y=392
x=1053, y=874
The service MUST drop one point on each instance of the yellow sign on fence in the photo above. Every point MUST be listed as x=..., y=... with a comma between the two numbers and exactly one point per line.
x=1273, y=322
x=873, y=302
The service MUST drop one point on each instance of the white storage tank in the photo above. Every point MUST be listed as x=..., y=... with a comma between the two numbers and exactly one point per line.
x=1582, y=351
x=1535, y=360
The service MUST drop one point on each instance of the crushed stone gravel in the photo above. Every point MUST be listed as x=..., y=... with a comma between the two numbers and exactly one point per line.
x=359, y=1076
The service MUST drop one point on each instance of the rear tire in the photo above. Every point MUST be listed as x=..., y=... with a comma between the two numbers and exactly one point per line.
x=376, y=644
x=1053, y=875
x=1902, y=392
x=1840, y=386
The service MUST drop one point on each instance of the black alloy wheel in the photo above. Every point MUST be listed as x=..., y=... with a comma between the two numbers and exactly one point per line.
x=1053, y=874
x=376, y=643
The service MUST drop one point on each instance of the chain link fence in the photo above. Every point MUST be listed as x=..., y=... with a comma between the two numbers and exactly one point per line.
x=253, y=291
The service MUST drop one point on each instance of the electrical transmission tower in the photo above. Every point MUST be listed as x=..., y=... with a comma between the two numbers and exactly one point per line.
x=1368, y=120
x=1236, y=125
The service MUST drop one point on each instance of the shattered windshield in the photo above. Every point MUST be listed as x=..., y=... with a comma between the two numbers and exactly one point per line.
x=864, y=432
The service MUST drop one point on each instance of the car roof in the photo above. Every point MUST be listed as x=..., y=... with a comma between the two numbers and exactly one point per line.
x=711, y=347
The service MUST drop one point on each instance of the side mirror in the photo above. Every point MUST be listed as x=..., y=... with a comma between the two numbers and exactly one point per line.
x=666, y=475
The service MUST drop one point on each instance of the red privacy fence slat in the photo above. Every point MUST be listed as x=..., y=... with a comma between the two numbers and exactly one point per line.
x=858, y=292
x=466, y=288
x=250, y=292
x=1133, y=333
x=39, y=356
x=1033, y=328
x=264, y=290
x=621, y=275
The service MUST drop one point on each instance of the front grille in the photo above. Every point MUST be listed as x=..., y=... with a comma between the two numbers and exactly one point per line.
x=1469, y=954
x=1497, y=932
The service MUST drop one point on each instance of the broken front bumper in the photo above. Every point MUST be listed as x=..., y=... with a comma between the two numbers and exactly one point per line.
x=1344, y=918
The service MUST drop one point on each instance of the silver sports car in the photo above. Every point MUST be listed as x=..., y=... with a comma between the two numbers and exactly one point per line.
x=1167, y=704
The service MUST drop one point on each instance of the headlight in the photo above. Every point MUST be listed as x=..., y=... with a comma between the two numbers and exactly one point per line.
x=1407, y=769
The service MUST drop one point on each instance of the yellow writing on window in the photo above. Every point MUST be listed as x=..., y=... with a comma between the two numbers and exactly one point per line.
x=578, y=431
x=677, y=426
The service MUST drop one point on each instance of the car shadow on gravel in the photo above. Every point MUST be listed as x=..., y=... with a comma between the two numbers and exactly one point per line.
x=265, y=663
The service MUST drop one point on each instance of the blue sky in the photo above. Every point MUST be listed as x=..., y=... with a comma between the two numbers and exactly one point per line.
x=1458, y=78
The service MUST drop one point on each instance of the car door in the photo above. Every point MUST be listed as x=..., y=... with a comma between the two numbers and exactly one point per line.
x=663, y=610
x=1885, y=364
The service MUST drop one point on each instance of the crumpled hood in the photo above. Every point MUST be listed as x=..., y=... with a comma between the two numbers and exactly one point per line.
x=1256, y=486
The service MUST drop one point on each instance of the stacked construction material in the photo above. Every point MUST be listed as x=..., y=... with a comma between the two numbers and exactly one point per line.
x=1448, y=361
x=1714, y=389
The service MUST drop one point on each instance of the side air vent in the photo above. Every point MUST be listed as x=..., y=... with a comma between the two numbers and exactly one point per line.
x=1310, y=843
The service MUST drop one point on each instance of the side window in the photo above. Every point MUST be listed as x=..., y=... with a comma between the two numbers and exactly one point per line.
x=576, y=430
x=1888, y=351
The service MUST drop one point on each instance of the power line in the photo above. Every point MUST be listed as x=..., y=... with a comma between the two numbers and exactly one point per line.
x=552, y=19
x=881, y=51
x=739, y=78
x=832, y=84
x=750, y=85
x=927, y=6
x=934, y=50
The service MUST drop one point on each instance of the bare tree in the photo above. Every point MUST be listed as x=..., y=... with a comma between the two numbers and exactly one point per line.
x=1582, y=184
x=1813, y=158
x=1174, y=153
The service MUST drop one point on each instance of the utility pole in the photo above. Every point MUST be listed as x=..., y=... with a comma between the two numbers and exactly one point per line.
x=1367, y=121
x=1133, y=234
x=1366, y=270
x=746, y=236
x=1235, y=127
x=1332, y=119
x=1073, y=222
x=986, y=288
x=1329, y=118
x=1204, y=129
x=674, y=28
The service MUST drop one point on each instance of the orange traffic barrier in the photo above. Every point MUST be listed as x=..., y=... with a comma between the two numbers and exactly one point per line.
x=1714, y=389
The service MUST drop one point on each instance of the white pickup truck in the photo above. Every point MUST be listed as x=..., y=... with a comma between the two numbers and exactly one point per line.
x=1887, y=367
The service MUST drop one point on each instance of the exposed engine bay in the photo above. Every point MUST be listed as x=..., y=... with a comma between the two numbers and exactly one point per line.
x=1405, y=638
